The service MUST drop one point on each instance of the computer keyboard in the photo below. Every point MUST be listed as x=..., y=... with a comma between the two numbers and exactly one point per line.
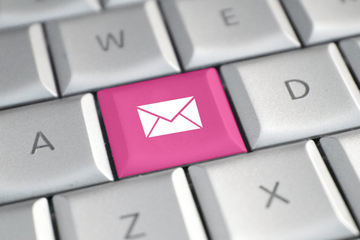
x=179, y=119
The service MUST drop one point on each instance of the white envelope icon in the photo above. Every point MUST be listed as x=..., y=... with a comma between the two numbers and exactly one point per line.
x=173, y=116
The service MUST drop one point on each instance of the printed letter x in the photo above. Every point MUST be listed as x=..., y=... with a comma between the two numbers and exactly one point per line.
x=273, y=194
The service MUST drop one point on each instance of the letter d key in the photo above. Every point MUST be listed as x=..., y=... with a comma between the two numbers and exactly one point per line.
x=323, y=96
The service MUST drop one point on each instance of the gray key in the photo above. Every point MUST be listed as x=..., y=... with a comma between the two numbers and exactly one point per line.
x=21, y=12
x=117, y=3
x=320, y=20
x=152, y=207
x=343, y=152
x=111, y=48
x=278, y=193
x=51, y=147
x=227, y=30
x=26, y=221
x=351, y=48
x=25, y=70
x=294, y=95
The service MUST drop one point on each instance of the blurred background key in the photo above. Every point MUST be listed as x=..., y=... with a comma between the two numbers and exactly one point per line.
x=343, y=152
x=26, y=221
x=322, y=20
x=118, y=3
x=25, y=71
x=22, y=12
x=351, y=49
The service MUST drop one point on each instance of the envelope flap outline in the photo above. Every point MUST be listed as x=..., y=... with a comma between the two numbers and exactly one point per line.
x=167, y=109
x=148, y=121
x=191, y=113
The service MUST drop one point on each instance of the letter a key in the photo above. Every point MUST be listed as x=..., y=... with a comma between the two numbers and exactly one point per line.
x=51, y=147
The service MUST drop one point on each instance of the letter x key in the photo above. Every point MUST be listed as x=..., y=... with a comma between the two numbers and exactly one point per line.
x=273, y=194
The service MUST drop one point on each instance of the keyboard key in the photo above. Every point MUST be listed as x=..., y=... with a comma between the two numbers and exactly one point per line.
x=278, y=193
x=227, y=30
x=25, y=70
x=26, y=221
x=111, y=48
x=22, y=12
x=117, y=3
x=153, y=207
x=342, y=151
x=319, y=21
x=351, y=48
x=169, y=122
x=51, y=147
x=295, y=95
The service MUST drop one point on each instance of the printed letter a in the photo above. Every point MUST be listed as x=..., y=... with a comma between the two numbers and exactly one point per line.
x=44, y=139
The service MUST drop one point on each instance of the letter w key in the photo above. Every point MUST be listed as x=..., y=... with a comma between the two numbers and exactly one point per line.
x=118, y=41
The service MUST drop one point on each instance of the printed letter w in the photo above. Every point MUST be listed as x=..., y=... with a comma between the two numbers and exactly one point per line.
x=111, y=38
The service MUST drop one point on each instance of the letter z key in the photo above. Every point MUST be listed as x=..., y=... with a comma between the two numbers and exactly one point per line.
x=293, y=95
x=157, y=206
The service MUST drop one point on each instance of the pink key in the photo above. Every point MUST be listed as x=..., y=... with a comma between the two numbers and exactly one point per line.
x=169, y=121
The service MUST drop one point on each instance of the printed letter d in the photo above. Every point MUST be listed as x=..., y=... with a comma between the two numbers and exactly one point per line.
x=297, y=88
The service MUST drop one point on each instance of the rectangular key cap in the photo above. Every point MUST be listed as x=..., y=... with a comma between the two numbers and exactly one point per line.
x=51, y=147
x=351, y=49
x=25, y=71
x=22, y=12
x=111, y=48
x=320, y=20
x=153, y=207
x=293, y=95
x=29, y=220
x=227, y=30
x=278, y=193
x=343, y=152
x=168, y=122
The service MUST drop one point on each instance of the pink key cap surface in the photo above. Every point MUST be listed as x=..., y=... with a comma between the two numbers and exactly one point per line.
x=168, y=122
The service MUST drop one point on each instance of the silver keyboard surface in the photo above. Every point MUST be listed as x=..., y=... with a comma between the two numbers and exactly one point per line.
x=280, y=160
